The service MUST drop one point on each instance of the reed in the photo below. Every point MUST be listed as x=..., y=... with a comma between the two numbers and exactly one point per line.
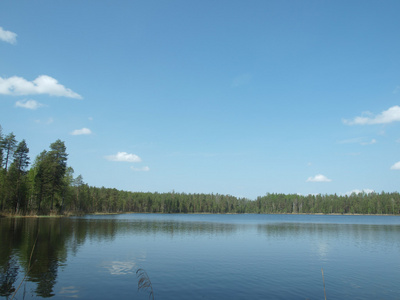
x=29, y=268
x=323, y=281
x=144, y=282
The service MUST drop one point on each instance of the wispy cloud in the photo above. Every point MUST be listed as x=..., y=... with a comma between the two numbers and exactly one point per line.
x=43, y=84
x=124, y=156
x=396, y=166
x=318, y=178
x=81, y=131
x=360, y=140
x=206, y=154
x=371, y=142
x=357, y=140
x=387, y=116
x=241, y=80
x=48, y=122
x=28, y=104
x=70, y=291
x=356, y=191
x=8, y=36
x=143, y=169
x=352, y=153
x=121, y=267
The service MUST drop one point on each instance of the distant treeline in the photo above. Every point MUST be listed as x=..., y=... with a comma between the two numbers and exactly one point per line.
x=49, y=186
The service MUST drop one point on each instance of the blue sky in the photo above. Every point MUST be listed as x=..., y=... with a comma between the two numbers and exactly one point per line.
x=231, y=97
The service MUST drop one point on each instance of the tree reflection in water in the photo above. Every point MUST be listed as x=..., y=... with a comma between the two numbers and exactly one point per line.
x=56, y=236
x=18, y=262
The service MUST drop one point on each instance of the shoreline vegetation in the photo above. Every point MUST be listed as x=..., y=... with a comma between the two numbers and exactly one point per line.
x=79, y=214
x=49, y=188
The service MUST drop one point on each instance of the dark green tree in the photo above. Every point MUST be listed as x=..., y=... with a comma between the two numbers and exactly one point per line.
x=41, y=178
x=2, y=171
x=1, y=147
x=57, y=164
x=77, y=183
x=17, y=177
x=67, y=188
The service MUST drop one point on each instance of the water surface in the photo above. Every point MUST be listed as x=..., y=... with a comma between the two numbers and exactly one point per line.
x=202, y=256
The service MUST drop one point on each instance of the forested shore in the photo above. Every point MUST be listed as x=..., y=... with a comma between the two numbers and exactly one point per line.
x=48, y=186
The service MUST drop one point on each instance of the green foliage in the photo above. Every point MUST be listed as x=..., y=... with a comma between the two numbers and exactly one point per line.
x=50, y=187
x=1, y=147
x=8, y=145
x=57, y=166
x=16, y=177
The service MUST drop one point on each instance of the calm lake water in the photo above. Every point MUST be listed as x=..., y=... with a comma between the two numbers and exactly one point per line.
x=202, y=256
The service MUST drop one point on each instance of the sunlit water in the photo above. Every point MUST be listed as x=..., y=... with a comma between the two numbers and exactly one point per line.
x=202, y=256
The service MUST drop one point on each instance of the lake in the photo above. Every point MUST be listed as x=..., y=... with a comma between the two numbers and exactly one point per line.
x=201, y=256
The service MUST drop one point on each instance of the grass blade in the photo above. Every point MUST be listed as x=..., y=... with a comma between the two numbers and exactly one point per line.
x=323, y=280
x=29, y=267
x=144, y=282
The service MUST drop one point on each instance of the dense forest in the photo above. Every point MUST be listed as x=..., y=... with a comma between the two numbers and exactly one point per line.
x=48, y=186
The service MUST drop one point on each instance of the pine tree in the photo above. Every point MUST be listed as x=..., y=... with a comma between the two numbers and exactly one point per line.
x=2, y=171
x=8, y=145
x=17, y=177
x=1, y=147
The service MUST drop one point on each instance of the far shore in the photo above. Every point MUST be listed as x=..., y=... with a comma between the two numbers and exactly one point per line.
x=9, y=215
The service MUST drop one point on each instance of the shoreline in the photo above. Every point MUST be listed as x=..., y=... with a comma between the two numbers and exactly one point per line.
x=2, y=215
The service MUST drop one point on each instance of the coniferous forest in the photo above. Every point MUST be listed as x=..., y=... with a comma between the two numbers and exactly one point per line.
x=47, y=185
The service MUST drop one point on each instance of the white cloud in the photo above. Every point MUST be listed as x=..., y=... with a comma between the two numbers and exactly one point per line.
x=8, y=36
x=123, y=156
x=318, y=178
x=28, y=104
x=387, y=116
x=356, y=191
x=144, y=169
x=43, y=84
x=396, y=166
x=81, y=131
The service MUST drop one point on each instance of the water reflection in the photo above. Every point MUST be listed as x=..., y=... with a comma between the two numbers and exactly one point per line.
x=361, y=233
x=57, y=239
x=121, y=267
x=17, y=237
x=8, y=275
x=69, y=292
x=56, y=236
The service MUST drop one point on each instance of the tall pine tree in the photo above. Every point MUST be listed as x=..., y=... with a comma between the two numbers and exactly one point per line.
x=9, y=143
x=17, y=180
